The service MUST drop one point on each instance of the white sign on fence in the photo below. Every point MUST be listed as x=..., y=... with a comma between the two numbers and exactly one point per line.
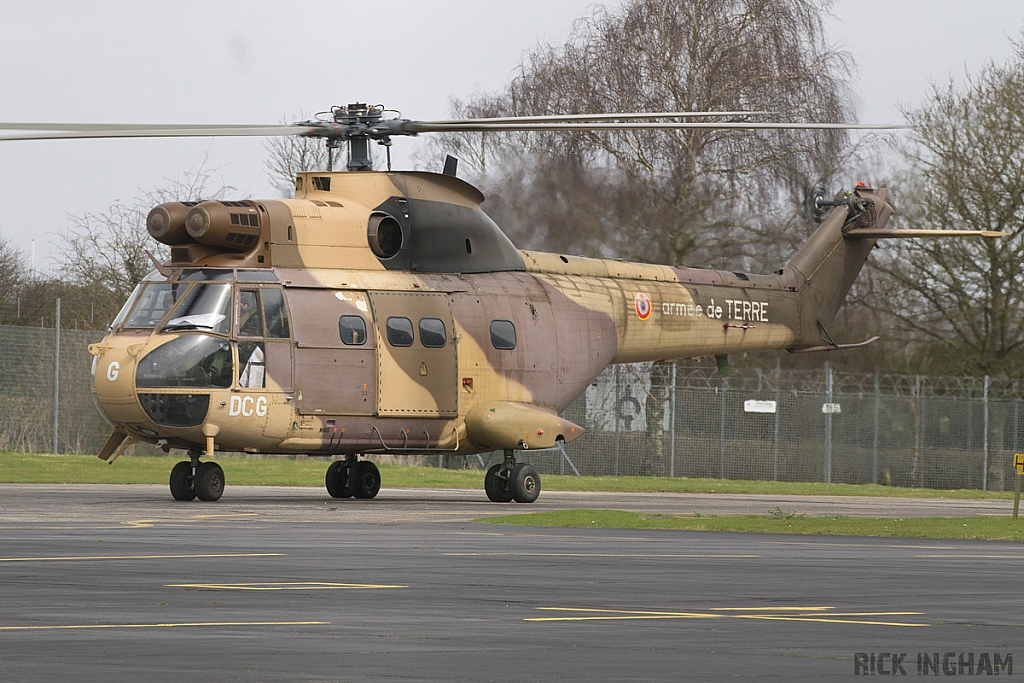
x=759, y=406
x=831, y=408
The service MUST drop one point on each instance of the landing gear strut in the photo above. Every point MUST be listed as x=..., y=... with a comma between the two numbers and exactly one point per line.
x=509, y=481
x=352, y=477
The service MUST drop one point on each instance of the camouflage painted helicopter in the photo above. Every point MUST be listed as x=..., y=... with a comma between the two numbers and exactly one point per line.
x=384, y=312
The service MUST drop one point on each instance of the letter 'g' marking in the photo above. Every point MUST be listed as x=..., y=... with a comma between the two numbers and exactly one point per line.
x=113, y=370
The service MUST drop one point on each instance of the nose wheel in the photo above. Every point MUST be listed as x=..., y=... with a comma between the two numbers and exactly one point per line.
x=191, y=479
x=510, y=481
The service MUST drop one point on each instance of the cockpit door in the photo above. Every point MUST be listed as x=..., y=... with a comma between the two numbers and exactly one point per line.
x=417, y=370
x=264, y=338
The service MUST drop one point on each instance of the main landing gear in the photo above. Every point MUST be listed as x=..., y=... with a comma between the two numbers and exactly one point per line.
x=510, y=481
x=352, y=478
x=193, y=479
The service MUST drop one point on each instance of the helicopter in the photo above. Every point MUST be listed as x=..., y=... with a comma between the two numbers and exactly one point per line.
x=383, y=312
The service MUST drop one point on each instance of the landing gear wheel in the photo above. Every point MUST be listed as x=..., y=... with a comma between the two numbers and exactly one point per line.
x=365, y=479
x=524, y=484
x=495, y=486
x=181, y=486
x=337, y=479
x=209, y=483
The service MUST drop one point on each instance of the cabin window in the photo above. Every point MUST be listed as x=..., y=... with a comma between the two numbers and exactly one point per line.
x=503, y=335
x=352, y=329
x=432, y=333
x=399, y=331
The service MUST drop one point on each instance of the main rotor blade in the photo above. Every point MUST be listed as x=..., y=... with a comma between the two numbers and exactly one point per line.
x=414, y=127
x=390, y=127
x=912, y=232
x=72, y=131
x=559, y=118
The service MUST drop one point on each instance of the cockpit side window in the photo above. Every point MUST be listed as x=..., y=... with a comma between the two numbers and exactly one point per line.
x=275, y=313
x=252, y=355
x=250, y=321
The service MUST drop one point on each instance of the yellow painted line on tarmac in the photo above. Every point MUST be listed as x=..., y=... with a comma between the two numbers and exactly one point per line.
x=625, y=555
x=194, y=624
x=771, y=609
x=148, y=523
x=830, y=620
x=965, y=556
x=813, y=614
x=280, y=586
x=861, y=545
x=94, y=558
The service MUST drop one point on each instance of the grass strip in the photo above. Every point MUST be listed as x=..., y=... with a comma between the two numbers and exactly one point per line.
x=780, y=522
x=27, y=468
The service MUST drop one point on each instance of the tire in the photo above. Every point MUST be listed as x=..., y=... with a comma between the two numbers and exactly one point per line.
x=181, y=487
x=337, y=480
x=365, y=480
x=495, y=487
x=524, y=483
x=209, y=481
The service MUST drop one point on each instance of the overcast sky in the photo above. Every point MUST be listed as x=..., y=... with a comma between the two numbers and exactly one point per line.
x=261, y=60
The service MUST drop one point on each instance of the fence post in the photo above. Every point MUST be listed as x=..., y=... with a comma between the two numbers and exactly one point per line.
x=874, y=440
x=56, y=373
x=1016, y=425
x=672, y=426
x=721, y=430
x=920, y=433
x=775, y=442
x=828, y=424
x=984, y=440
x=618, y=426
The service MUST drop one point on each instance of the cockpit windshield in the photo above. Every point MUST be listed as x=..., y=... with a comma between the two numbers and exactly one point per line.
x=151, y=302
x=207, y=306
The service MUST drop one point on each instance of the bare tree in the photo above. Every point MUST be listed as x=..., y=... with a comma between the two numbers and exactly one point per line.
x=107, y=251
x=962, y=300
x=666, y=196
x=12, y=276
x=290, y=155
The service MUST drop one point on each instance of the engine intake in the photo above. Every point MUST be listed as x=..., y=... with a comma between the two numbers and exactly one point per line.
x=226, y=224
x=166, y=223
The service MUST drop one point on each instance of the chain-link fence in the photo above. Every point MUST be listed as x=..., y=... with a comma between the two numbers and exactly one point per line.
x=34, y=378
x=680, y=420
x=650, y=419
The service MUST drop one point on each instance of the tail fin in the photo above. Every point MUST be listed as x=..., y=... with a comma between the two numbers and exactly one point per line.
x=828, y=263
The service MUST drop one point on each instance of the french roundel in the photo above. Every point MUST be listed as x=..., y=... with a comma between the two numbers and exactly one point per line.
x=643, y=305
